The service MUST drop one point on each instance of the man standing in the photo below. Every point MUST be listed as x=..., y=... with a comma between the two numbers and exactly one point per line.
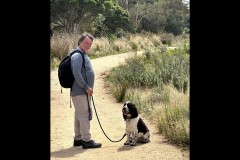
x=81, y=93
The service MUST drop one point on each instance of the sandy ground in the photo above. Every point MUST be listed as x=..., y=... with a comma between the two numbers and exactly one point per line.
x=110, y=116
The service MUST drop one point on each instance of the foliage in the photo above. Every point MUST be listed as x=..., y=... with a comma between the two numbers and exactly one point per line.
x=167, y=67
x=62, y=43
x=173, y=122
x=153, y=19
x=119, y=91
x=67, y=15
x=100, y=29
x=141, y=99
x=177, y=16
x=167, y=39
x=158, y=85
x=106, y=17
x=116, y=16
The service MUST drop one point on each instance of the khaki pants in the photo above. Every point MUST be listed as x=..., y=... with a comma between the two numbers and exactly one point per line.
x=81, y=117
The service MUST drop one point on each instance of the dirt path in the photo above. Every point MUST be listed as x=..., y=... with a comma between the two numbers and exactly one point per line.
x=110, y=116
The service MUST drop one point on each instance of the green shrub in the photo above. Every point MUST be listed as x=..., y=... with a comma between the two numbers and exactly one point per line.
x=119, y=92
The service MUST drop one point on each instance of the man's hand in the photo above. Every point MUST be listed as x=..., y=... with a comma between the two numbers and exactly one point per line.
x=89, y=91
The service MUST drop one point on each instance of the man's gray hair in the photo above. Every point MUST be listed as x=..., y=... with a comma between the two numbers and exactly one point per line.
x=83, y=36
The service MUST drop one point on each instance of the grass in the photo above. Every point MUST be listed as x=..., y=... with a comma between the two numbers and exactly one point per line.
x=158, y=83
x=63, y=43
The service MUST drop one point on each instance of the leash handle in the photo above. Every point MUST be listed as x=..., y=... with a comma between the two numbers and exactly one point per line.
x=101, y=125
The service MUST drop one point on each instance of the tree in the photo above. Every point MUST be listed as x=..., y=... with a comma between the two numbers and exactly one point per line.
x=116, y=16
x=100, y=29
x=177, y=14
x=170, y=16
x=67, y=14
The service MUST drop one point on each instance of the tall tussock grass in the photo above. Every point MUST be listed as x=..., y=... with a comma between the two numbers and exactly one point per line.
x=158, y=83
x=173, y=121
x=168, y=68
x=63, y=43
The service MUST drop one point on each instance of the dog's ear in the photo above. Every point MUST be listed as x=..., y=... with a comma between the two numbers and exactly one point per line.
x=124, y=117
x=133, y=110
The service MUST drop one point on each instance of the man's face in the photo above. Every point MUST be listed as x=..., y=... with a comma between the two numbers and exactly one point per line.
x=86, y=44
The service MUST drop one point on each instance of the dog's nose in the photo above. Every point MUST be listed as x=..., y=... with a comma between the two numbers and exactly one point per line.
x=125, y=109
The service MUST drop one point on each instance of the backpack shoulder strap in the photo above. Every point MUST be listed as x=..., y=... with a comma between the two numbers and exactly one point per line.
x=78, y=51
x=83, y=65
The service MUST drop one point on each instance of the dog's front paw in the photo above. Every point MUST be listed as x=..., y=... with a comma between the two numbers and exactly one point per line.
x=145, y=141
x=127, y=143
x=132, y=144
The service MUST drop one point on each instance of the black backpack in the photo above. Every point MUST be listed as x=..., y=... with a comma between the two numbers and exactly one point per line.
x=65, y=74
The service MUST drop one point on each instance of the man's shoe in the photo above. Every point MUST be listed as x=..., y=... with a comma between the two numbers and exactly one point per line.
x=90, y=144
x=77, y=143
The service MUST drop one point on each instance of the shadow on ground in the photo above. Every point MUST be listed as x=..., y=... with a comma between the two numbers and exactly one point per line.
x=69, y=152
x=127, y=147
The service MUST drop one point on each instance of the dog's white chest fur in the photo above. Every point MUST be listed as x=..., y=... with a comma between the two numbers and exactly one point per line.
x=131, y=124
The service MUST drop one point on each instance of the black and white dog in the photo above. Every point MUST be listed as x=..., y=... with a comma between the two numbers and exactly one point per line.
x=136, y=129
